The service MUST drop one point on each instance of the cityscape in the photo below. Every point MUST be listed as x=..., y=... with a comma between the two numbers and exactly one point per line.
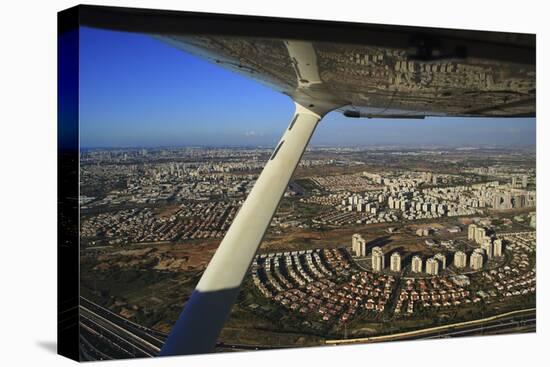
x=369, y=243
x=246, y=186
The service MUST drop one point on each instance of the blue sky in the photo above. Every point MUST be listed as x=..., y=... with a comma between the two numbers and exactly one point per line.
x=137, y=91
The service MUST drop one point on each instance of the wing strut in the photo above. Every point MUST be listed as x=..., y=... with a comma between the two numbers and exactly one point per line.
x=199, y=325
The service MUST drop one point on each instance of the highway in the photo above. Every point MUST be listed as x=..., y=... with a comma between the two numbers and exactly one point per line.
x=507, y=322
x=122, y=338
x=498, y=328
x=105, y=335
x=153, y=337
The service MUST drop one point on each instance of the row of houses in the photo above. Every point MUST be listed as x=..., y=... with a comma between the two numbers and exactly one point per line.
x=430, y=293
x=306, y=282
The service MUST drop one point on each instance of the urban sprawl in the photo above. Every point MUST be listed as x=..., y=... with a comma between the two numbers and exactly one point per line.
x=364, y=237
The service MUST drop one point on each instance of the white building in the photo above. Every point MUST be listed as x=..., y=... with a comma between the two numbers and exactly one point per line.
x=472, y=232
x=476, y=260
x=377, y=259
x=432, y=266
x=442, y=260
x=480, y=235
x=358, y=245
x=487, y=247
x=497, y=247
x=460, y=260
x=416, y=264
x=395, y=262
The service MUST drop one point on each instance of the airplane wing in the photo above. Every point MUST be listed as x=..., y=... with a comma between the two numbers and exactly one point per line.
x=376, y=69
x=361, y=70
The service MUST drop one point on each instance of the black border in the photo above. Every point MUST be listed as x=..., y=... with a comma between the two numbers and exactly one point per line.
x=68, y=184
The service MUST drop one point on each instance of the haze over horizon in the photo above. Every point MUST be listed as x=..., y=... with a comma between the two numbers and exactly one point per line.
x=136, y=91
